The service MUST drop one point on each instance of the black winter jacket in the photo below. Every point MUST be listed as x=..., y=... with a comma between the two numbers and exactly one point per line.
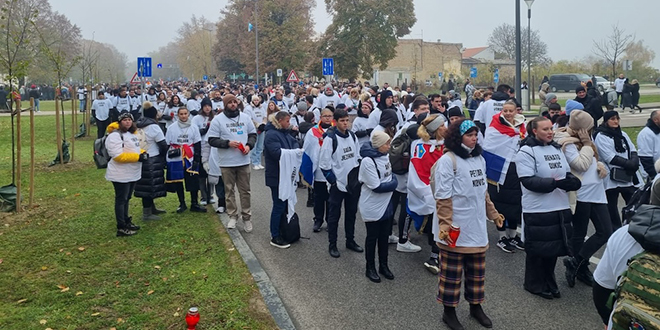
x=152, y=183
x=275, y=140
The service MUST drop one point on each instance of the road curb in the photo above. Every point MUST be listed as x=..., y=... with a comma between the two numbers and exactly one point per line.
x=266, y=287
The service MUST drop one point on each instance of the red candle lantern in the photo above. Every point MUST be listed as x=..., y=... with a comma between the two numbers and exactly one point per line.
x=192, y=318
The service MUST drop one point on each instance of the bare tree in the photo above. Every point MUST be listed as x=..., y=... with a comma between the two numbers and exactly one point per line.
x=613, y=47
x=503, y=41
x=89, y=60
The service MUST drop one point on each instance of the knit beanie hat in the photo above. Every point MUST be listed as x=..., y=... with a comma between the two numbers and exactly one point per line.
x=229, y=97
x=206, y=101
x=580, y=88
x=580, y=119
x=573, y=105
x=550, y=96
x=149, y=110
x=302, y=106
x=455, y=111
x=379, y=138
x=609, y=114
x=124, y=115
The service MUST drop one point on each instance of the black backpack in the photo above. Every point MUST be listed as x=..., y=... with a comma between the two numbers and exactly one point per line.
x=400, y=153
x=101, y=156
x=640, y=197
x=290, y=230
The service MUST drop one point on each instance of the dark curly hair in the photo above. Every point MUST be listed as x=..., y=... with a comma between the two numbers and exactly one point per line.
x=454, y=139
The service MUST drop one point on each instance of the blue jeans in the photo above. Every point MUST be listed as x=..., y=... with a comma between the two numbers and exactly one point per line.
x=279, y=208
x=36, y=105
x=255, y=154
x=81, y=105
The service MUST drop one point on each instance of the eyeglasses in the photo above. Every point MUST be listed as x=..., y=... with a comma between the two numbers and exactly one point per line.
x=327, y=116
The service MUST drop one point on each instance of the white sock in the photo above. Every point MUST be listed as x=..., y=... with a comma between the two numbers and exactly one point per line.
x=502, y=233
x=511, y=233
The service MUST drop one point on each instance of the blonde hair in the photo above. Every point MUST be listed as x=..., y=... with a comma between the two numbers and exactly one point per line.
x=635, y=81
x=424, y=134
x=476, y=95
x=364, y=97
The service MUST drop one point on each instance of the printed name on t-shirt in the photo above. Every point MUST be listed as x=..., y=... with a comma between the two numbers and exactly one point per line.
x=497, y=106
x=235, y=127
x=182, y=139
x=478, y=173
x=554, y=161
x=348, y=153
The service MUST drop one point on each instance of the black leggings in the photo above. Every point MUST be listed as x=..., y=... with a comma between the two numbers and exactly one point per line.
x=613, y=203
x=378, y=233
x=600, y=217
x=428, y=230
x=123, y=193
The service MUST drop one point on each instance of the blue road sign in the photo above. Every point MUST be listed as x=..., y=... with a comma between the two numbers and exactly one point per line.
x=473, y=72
x=496, y=76
x=159, y=65
x=328, y=67
x=440, y=76
x=205, y=77
x=144, y=66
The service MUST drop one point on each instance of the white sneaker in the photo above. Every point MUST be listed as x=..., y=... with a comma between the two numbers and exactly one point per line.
x=220, y=209
x=212, y=201
x=255, y=167
x=231, y=224
x=261, y=167
x=408, y=247
x=202, y=202
x=247, y=226
x=393, y=239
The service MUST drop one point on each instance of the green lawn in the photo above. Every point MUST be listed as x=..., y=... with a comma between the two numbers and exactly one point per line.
x=62, y=267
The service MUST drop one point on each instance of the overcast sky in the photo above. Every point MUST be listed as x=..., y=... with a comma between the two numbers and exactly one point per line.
x=568, y=29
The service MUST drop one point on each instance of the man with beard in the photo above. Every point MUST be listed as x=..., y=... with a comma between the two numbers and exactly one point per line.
x=328, y=98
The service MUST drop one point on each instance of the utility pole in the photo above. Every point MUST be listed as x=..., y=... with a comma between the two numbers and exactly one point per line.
x=256, y=37
x=518, y=52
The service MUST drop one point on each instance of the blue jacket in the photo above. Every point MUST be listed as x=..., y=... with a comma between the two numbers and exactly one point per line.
x=275, y=140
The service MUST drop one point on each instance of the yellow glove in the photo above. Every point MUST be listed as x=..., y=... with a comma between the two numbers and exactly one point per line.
x=499, y=221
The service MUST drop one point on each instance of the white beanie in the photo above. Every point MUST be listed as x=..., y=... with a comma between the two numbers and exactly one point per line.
x=379, y=138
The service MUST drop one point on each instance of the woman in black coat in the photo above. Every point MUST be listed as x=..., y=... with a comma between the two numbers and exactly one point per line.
x=635, y=95
x=546, y=180
x=626, y=96
x=152, y=183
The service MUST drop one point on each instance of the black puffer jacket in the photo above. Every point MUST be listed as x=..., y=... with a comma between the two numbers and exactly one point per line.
x=152, y=183
x=507, y=197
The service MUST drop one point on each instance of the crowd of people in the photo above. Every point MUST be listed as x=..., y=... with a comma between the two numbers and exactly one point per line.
x=376, y=150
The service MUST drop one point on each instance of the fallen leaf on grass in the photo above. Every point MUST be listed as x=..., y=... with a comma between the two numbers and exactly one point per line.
x=120, y=320
x=157, y=267
x=21, y=301
x=77, y=195
x=49, y=328
x=63, y=288
x=150, y=292
x=96, y=314
x=0, y=261
x=113, y=328
x=68, y=253
x=164, y=279
x=79, y=293
x=231, y=249
x=146, y=283
x=81, y=249
x=61, y=250
x=44, y=268
x=176, y=314
x=42, y=322
x=64, y=189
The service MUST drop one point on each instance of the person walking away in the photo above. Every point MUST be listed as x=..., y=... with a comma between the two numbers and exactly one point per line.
x=619, y=154
x=124, y=169
x=35, y=93
x=634, y=91
x=101, y=114
x=280, y=148
x=546, y=180
x=618, y=86
x=610, y=98
x=202, y=122
x=376, y=204
x=461, y=199
x=234, y=135
x=310, y=170
x=258, y=115
x=184, y=158
x=582, y=157
x=152, y=182
x=500, y=146
x=626, y=97
x=424, y=153
x=337, y=158
x=82, y=96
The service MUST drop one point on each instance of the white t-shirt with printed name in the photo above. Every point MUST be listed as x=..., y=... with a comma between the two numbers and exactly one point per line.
x=102, y=109
x=232, y=129
x=545, y=162
x=154, y=134
x=180, y=136
x=342, y=160
x=592, y=190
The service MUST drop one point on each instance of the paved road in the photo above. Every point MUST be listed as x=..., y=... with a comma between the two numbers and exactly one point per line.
x=320, y=292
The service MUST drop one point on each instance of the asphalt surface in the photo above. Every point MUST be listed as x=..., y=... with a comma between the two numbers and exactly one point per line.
x=321, y=292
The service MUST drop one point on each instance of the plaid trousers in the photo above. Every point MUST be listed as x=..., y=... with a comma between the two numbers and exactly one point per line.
x=452, y=267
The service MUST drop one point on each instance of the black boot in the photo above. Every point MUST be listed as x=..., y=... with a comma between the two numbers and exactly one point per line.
x=584, y=274
x=182, y=208
x=449, y=317
x=197, y=208
x=351, y=245
x=371, y=274
x=157, y=211
x=310, y=197
x=571, y=270
x=317, y=225
x=385, y=271
x=478, y=313
x=130, y=225
x=333, y=250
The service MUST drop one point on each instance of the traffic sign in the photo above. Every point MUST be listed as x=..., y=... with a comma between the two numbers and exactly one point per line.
x=279, y=72
x=292, y=77
x=205, y=77
x=144, y=66
x=496, y=76
x=440, y=76
x=473, y=72
x=136, y=79
x=159, y=65
x=328, y=67
x=627, y=65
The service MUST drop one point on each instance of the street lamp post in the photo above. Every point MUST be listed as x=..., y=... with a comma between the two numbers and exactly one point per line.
x=518, y=52
x=256, y=38
x=529, y=52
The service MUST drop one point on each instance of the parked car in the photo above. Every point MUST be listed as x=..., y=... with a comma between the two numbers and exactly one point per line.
x=567, y=82
x=657, y=82
x=602, y=83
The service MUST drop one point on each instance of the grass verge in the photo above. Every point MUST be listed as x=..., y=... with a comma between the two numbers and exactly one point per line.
x=62, y=267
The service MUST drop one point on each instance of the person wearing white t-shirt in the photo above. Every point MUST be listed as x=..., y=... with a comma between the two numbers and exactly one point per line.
x=183, y=166
x=648, y=144
x=337, y=158
x=82, y=96
x=618, y=87
x=152, y=183
x=216, y=102
x=257, y=113
x=581, y=155
x=203, y=121
x=359, y=126
x=546, y=180
x=462, y=200
x=375, y=202
x=172, y=109
x=233, y=134
x=101, y=113
x=124, y=168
